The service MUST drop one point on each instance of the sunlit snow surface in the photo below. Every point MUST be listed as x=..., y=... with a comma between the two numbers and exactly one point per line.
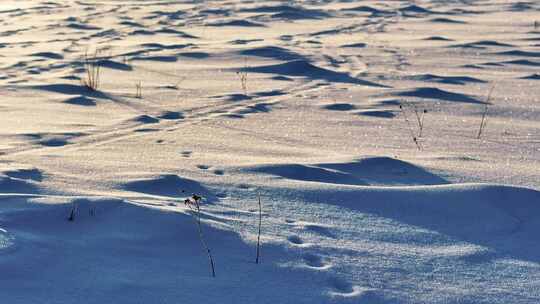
x=356, y=124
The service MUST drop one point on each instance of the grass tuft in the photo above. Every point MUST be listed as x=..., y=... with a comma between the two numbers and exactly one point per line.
x=93, y=71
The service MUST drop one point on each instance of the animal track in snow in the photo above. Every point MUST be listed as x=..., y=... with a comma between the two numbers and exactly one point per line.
x=342, y=288
x=319, y=229
x=221, y=195
x=315, y=261
x=314, y=227
x=295, y=240
x=219, y=172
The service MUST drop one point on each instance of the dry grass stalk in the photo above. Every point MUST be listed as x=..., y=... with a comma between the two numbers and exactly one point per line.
x=259, y=233
x=409, y=126
x=73, y=212
x=484, y=120
x=194, y=203
x=138, y=88
x=243, y=81
x=93, y=71
x=420, y=119
x=243, y=78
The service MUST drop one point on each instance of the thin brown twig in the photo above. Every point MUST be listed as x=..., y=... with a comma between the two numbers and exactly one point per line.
x=414, y=138
x=483, y=122
x=259, y=233
x=194, y=203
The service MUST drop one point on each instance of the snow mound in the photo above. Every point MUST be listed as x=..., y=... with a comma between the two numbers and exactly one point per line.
x=170, y=185
x=16, y=185
x=364, y=171
x=123, y=247
x=303, y=68
x=288, y=12
x=25, y=174
x=273, y=52
x=472, y=212
x=436, y=93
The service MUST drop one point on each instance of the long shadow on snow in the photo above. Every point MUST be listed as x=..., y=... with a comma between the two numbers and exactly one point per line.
x=288, y=12
x=303, y=68
x=375, y=12
x=458, y=80
x=366, y=171
x=272, y=52
x=504, y=219
x=435, y=93
x=15, y=183
x=72, y=89
x=121, y=242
